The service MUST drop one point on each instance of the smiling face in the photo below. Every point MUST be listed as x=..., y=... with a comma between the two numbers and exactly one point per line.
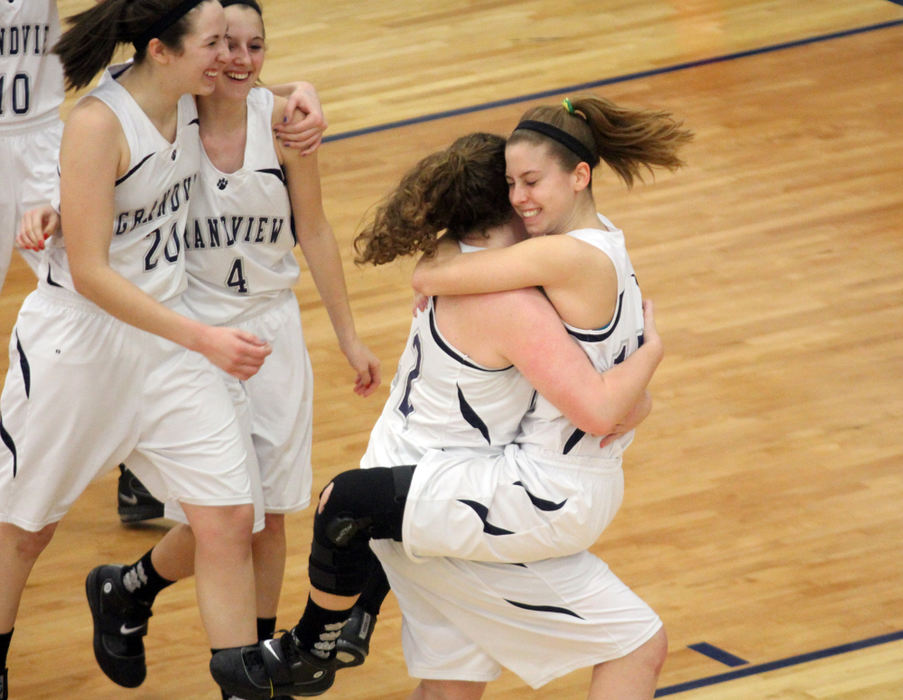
x=203, y=53
x=541, y=191
x=247, y=48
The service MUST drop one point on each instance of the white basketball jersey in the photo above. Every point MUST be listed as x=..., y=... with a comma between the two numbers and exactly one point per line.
x=545, y=429
x=239, y=238
x=31, y=78
x=440, y=398
x=150, y=199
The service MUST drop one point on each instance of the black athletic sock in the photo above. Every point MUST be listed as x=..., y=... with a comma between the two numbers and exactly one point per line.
x=266, y=627
x=318, y=629
x=142, y=580
x=5, y=639
x=376, y=588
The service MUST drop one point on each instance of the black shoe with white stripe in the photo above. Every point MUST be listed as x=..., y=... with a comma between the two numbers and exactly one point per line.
x=120, y=623
x=135, y=502
x=353, y=644
x=271, y=668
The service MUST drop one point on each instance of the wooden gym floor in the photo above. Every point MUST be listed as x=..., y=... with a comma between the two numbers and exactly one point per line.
x=762, y=518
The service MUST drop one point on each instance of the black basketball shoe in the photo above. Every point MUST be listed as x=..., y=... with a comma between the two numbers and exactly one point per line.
x=120, y=623
x=353, y=644
x=135, y=501
x=270, y=668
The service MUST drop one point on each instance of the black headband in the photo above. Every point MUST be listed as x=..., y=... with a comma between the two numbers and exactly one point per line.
x=562, y=137
x=250, y=3
x=165, y=22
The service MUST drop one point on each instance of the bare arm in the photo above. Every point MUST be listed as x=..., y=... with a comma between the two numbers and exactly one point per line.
x=321, y=251
x=93, y=142
x=535, y=262
x=302, y=122
x=632, y=420
x=525, y=327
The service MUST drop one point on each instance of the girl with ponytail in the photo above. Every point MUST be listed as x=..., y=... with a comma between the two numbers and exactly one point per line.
x=107, y=365
x=248, y=176
x=579, y=258
x=465, y=381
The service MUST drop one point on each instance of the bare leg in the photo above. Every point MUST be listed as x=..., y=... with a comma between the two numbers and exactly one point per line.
x=448, y=690
x=224, y=572
x=173, y=556
x=268, y=547
x=19, y=550
x=632, y=677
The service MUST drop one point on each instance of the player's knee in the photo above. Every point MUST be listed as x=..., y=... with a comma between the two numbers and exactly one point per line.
x=356, y=506
x=363, y=503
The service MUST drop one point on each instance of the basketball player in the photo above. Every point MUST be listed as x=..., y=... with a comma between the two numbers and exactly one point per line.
x=104, y=362
x=457, y=385
x=465, y=619
x=241, y=269
x=31, y=91
x=587, y=274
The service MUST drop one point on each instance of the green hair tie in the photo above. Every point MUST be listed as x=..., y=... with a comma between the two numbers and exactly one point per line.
x=568, y=106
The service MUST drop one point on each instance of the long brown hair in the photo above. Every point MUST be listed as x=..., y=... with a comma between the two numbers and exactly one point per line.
x=630, y=141
x=459, y=190
x=88, y=44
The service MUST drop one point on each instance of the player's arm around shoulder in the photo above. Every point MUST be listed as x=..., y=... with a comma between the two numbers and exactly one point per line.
x=300, y=124
x=535, y=262
x=526, y=329
x=302, y=175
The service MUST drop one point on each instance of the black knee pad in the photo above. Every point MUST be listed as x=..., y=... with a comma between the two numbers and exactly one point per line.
x=363, y=504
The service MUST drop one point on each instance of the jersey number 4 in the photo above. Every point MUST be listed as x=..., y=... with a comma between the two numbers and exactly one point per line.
x=236, y=278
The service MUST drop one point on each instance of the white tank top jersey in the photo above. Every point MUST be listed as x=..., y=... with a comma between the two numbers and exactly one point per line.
x=150, y=199
x=31, y=78
x=440, y=398
x=239, y=238
x=544, y=429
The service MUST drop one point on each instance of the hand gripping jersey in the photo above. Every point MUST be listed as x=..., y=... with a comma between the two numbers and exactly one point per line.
x=239, y=237
x=31, y=78
x=545, y=429
x=150, y=199
x=440, y=398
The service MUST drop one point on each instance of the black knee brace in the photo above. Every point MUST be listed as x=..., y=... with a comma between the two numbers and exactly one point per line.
x=364, y=504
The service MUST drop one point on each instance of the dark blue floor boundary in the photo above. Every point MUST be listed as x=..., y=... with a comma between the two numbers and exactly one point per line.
x=611, y=81
x=780, y=663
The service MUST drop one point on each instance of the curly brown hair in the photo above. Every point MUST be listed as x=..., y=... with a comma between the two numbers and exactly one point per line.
x=456, y=191
x=630, y=141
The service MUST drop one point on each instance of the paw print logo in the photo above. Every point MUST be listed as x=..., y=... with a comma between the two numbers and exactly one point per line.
x=222, y=182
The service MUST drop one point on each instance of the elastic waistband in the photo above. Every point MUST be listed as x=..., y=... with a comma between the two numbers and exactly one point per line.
x=283, y=297
x=74, y=300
